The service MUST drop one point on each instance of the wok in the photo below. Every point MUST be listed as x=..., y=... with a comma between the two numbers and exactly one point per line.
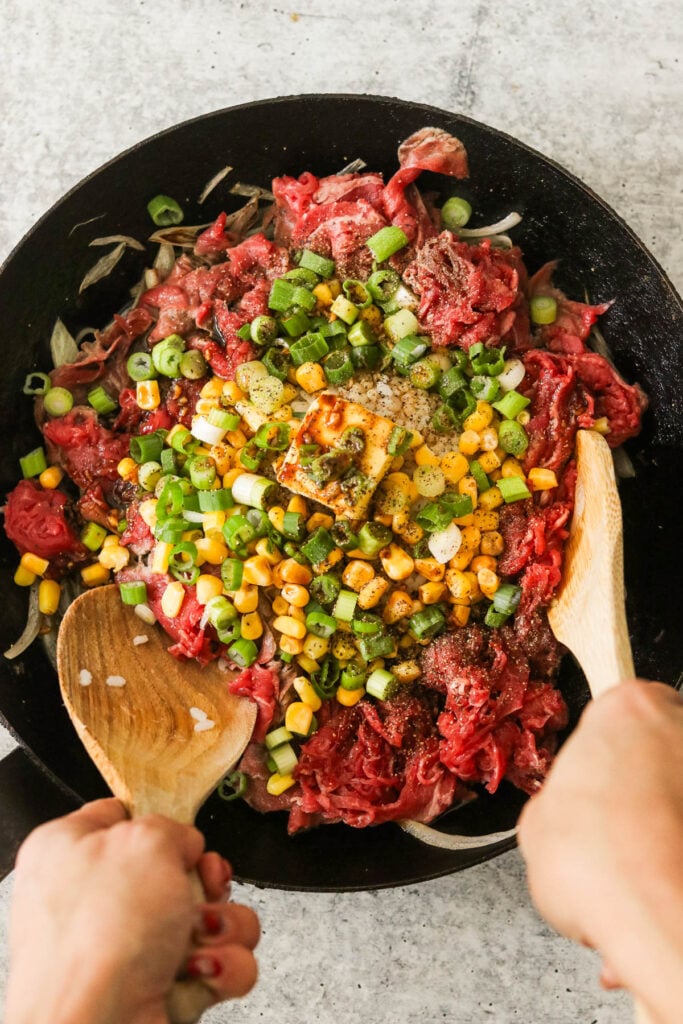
x=562, y=219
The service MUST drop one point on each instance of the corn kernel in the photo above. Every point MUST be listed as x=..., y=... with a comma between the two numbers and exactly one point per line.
x=316, y=647
x=460, y=615
x=24, y=577
x=292, y=572
x=601, y=425
x=343, y=647
x=114, y=556
x=430, y=568
x=34, y=563
x=461, y=560
x=407, y=671
x=303, y=687
x=276, y=514
x=208, y=586
x=211, y=550
x=319, y=519
x=406, y=528
x=488, y=582
x=490, y=499
x=485, y=520
x=290, y=645
x=468, y=485
x=51, y=477
x=251, y=626
x=372, y=593
x=460, y=586
x=48, y=596
x=283, y=414
x=424, y=456
x=468, y=442
x=246, y=598
x=172, y=599
x=397, y=463
x=541, y=479
x=298, y=504
x=258, y=570
x=295, y=594
x=298, y=718
x=483, y=562
x=232, y=475
x=213, y=388
x=474, y=583
x=278, y=784
x=147, y=394
x=480, y=418
x=399, y=606
x=279, y=605
x=432, y=592
x=489, y=461
x=128, y=469
x=204, y=406
x=268, y=550
x=492, y=543
x=454, y=466
x=371, y=314
x=323, y=294
x=397, y=563
x=237, y=438
x=160, y=556
x=290, y=626
x=488, y=442
x=296, y=613
x=222, y=454
x=232, y=393
x=357, y=574
x=511, y=467
x=470, y=538
x=94, y=575
x=309, y=665
x=310, y=377
x=349, y=697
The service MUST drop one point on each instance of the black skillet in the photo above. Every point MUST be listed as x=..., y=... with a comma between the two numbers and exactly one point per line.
x=562, y=219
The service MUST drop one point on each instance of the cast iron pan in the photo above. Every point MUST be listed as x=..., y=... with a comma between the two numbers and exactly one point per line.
x=562, y=219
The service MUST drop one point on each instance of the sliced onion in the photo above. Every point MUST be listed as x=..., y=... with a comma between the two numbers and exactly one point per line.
x=513, y=374
x=32, y=627
x=164, y=260
x=353, y=167
x=194, y=517
x=211, y=184
x=623, y=466
x=112, y=239
x=405, y=298
x=63, y=347
x=205, y=431
x=103, y=267
x=498, y=228
x=445, y=544
x=446, y=841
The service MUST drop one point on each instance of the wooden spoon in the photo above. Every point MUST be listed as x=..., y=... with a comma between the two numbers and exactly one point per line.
x=163, y=733
x=588, y=614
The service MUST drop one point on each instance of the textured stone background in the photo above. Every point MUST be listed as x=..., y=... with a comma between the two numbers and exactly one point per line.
x=596, y=87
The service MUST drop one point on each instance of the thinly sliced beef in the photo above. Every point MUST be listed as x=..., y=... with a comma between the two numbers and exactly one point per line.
x=36, y=521
x=106, y=353
x=261, y=684
x=573, y=322
x=87, y=451
x=467, y=292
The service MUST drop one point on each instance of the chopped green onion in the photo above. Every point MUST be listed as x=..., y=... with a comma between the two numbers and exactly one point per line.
x=302, y=276
x=257, y=491
x=425, y=374
x=399, y=441
x=513, y=488
x=58, y=401
x=309, y=349
x=296, y=324
x=101, y=401
x=455, y=213
x=134, y=592
x=321, y=624
x=318, y=264
x=215, y=500
x=325, y=589
x=233, y=786
x=223, y=419
x=259, y=520
x=379, y=646
x=480, y=478
x=318, y=546
x=281, y=296
x=167, y=358
x=251, y=456
x=149, y=475
x=402, y=324
x=435, y=517
x=486, y=389
x=381, y=684
x=263, y=330
x=294, y=526
x=366, y=357
x=202, y=471
x=489, y=361
x=37, y=384
x=353, y=676
x=92, y=536
x=277, y=362
x=444, y=420
x=507, y=598
x=338, y=367
x=33, y=463
x=345, y=309
x=495, y=619
x=345, y=605
x=427, y=622
x=243, y=652
x=408, y=350
x=169, y=461
x=361, y=333
x=385, y=242
x=232, y=571
x=182, y=441
x=382, y=284
x=171, y=530
x=452, y=381
x=334, y=329
x=237, y=532
x=343, y=536
x=372, y=537
x=276, y=737
x=458, y=505
x=193, y=365
x=512, y=437
x=543, y=309
x=356, y=292
x=511, y=404
x=244, y=332
x=367, y=624
x=164, y=211
x=273, y=437
x=140, y=366
x=222, y=614
x=284, y=758
x=146, y=447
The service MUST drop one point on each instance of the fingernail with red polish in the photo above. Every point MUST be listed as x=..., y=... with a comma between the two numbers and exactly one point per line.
x=202, y=966
x=227, y=872
x=212, y=923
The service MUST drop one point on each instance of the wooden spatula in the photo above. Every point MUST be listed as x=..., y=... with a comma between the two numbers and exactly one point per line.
x=162, y=733
x=588, y=614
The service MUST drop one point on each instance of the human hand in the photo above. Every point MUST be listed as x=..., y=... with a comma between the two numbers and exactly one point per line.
x=103, y=916
x=603, y=841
